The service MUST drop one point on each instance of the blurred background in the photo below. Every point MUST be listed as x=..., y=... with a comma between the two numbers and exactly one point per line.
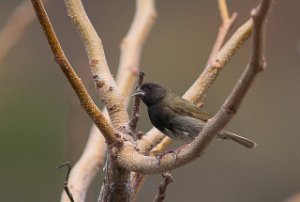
x=42, y=124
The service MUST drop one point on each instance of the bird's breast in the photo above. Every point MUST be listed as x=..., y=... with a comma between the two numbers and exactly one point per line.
x=159, y=116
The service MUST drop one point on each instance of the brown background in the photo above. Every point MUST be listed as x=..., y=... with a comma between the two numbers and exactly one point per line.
x=42, y=124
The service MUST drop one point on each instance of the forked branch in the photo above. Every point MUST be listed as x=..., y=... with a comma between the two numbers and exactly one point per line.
x=86, y=101
x=105, y=84
x=132, y=160
x=93, y=155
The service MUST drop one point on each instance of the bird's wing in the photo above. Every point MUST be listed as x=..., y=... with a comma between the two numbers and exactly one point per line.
x=189, y=109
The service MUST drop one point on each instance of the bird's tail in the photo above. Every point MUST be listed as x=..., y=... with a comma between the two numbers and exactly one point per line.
x=238, y=139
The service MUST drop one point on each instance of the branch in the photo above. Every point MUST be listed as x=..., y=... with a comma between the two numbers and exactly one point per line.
x=66, y=182
x=227, y=23
x=223, y=10
x=197, y=91
x=87, y=166
x=206, y=79
x=212, y=70
x=136, y=105
x=162, y=189
x=132, y=160
x=132, y=44
x=105, y=84
x=87, y=103
x=92, y=158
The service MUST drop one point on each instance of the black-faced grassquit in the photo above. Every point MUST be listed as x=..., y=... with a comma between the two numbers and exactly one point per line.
x=177, y=117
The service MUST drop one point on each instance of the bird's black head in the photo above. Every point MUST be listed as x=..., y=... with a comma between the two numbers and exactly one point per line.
x=151, y=93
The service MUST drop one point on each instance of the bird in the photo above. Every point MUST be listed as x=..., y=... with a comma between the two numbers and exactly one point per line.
x=178, y=118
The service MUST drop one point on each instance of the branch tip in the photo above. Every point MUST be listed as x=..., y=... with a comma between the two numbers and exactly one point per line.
x=136, y=104
x=162, y=189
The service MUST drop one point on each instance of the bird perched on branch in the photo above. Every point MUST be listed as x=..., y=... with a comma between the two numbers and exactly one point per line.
x=178, y=118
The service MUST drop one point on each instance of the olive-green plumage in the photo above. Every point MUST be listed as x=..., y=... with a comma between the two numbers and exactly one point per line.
x=177, y=117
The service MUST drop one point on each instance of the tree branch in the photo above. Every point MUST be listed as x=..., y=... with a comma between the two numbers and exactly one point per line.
x=227, y=23
x=197, y=91
x=136, y=105
x=105, y=84
x=206, y=80
x=86, y=101
x=210, y=73
x=132, y=44
x=162, y=189
x=92, y=158
x=132, y=160
x=66, y=182
x=223, y=10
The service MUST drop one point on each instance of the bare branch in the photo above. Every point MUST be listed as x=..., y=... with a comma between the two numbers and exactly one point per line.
x=87, y=103
x=227, y=23
x=137, y=181
x=87, y=166
x=136, y=105
x=66, y=187
x=223, y=10
x=92, y=158
x=209, y=75
x=207, y=81
x=132, y=160
x=132, y=44
x=105, y=84
x=197, y=91
x=162, y=189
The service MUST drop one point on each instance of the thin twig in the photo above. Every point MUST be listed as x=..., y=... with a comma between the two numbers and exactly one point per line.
x=227, y=23
x=223, y=31
x=129, y=158
x=87, y=167
x=162, y=189
x=223, y=10
x=66, y=188
x=86, y=101
x=136, y=105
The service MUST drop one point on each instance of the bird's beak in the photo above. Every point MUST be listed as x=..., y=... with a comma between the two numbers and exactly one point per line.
x=138, y=92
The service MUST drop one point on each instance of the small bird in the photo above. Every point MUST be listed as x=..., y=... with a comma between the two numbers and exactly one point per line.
x=178, y=118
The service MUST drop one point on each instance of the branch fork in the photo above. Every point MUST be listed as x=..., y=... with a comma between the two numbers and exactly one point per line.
x=123, y=157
